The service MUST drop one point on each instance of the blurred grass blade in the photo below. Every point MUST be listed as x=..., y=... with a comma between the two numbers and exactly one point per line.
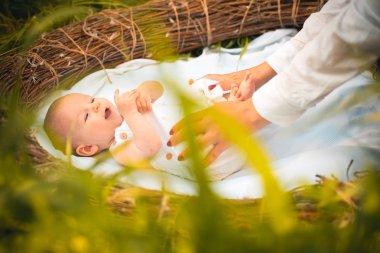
x=51, y=20
x=244, y=47
x=275, y=199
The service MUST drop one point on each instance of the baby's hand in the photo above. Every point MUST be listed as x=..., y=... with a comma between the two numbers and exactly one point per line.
x=126, y=103
x=144, y=102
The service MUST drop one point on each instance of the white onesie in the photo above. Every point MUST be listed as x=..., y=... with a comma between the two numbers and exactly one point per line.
x=165, y=113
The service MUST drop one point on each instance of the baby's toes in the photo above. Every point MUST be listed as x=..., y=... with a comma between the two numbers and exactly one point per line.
x=239, y=95
x=234, y=86
x=232, y=96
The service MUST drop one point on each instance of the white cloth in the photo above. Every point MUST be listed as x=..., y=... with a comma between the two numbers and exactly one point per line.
x=340, y=50
x=315, y=145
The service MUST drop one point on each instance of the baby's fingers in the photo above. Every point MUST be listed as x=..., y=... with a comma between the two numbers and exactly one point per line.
x=148, y=104
x=143, y=105
x=133, y=94
x=139, y=105
x=234, y=87
x=132, y=97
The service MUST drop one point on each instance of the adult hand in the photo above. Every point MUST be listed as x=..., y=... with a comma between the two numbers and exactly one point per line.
x=225, y=80
x=243, y=91
x=208, y=133
x=261, y=74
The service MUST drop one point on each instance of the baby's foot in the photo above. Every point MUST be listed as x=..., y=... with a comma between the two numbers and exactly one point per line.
x=233, y=93
x=246, y=88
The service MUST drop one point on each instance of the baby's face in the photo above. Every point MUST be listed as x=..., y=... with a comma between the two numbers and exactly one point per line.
x=93, y=120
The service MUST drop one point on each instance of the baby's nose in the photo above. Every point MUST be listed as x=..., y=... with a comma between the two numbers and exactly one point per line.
x=96, y=106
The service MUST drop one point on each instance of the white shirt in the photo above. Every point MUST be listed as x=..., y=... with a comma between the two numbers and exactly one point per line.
x=335, y=44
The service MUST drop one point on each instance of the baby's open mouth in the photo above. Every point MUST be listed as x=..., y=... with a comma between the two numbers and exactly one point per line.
x=107, y=113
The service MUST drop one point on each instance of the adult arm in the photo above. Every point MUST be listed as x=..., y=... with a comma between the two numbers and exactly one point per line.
x=347, y=46
x=344, y=48
x=276, y=62
x=313, y=25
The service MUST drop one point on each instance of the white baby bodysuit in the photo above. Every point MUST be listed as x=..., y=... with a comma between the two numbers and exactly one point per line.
x=166, y=112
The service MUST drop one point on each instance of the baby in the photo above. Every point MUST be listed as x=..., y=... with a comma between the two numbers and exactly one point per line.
x=88, y=124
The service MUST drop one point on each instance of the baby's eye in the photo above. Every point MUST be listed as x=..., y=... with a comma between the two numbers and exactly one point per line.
x=86, y=117
x=92, y=100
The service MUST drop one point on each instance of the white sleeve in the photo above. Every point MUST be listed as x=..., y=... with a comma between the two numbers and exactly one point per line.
x=344, y=48
x=311, y=28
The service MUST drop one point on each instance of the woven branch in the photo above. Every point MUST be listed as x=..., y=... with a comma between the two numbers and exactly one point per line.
x=152, y=30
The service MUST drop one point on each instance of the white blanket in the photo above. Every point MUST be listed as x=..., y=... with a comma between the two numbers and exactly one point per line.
x=320, y=142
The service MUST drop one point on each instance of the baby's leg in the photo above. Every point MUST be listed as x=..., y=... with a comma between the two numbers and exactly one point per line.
x=246, y=88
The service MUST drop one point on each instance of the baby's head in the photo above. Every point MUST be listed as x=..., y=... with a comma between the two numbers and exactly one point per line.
x=89, y=122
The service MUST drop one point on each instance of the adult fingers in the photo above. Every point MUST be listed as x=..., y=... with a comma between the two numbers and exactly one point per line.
x=202, y=142
x=197, y=128
x=184, y=154
x=209, y=138
x=215, y=151
x=215, y=77
x=220, y=80
x=177, y=138
x=190, y=119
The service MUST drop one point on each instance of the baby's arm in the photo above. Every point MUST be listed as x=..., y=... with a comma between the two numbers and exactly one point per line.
x=149, y=91
x=146, y=141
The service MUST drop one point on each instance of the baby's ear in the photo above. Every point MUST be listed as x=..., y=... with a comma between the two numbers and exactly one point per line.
x=87, y=150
